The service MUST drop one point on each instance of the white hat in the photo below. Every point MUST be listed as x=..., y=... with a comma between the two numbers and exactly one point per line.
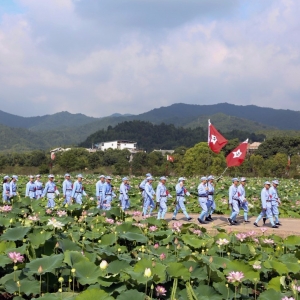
x=210, y=177
x=79, y=176
x=275, y=181
x=38, y=175
x=203, y=178
x=243, y=179
x=51, y=176
x=235, y=179
x=149, y=178
x=124, y=179
x=101, y=176
x=181, y=179
x=31, y=177
x=267, y=182
x=15, y=177
x=108, y=178
x=163, y=178
x=67, y=175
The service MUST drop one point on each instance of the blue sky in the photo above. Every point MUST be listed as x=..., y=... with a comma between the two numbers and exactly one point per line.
x=130, y=56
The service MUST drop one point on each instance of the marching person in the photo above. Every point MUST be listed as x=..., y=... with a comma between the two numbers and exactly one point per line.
x=275, y=201
x=162, y=195
x=148, y=197
x=50, y=190
x=202, y=194
x=6, y=189
x=181, y=192
x=78, y=191
x=30, y=188
x=107, y=194
x=124, y=198
x=143, y=183
x=67, y=189
x=38, y=186
x=266, y=203
x=13, y=187
x=243, y=200
x=234, y=201
x=99, y=187
x=211, y=205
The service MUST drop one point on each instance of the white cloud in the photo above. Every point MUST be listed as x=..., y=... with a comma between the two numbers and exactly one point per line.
x=64, y=55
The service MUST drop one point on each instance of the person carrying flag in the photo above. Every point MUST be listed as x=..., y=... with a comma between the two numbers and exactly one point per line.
x=162, y=195
x=243, y=200
x=266, y=203
x=211, y=205
x=234, y=201
x=30, y=188
x=78, y=190
x=38, y=186
x=181, y=193
x=51, y=190
x=67, y=189
x=202, y=194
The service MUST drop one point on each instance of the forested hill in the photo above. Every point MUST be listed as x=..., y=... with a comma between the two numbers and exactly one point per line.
x=164, y=136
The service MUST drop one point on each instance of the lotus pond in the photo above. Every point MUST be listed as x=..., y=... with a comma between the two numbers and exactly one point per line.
x=79, y=252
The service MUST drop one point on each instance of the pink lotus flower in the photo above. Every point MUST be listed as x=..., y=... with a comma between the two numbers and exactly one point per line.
x=152, y=228
x=222, y=242
x=287, y=298
x=197, y=231
x=268, y=241
x=162, y=256
x=33, y=218
x=48, y=211
x=251, y=233
x=241, y=236
x=5, y=208
x=136, y=213
x=256, y=266
x=235, y=277
x=156, y=246
x=160, y=291
x=15, y=257
x=263, y=229
x=61, y=213
x=110, y=221
x=140, y=225
x=176, y=226
x=119, y=223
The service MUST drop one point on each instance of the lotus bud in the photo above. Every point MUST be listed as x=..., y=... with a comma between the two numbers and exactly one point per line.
x=168, y=246
x=191, y=269
x=11, y=221
x=18, y=284
x=83, y=238
x=24, y=240
x=73, y=270
x=57, y=245
x=81, y=230
x=147, y=272
x=15, y=268
x=70, y=280
x=153, y=264
x=40, y=270
x=119, y=249
x=99, y=241
x=152, y=287
x=60, y=279
x=176, y=241
x=103, y=265
x=211, y=259
x=60, y=290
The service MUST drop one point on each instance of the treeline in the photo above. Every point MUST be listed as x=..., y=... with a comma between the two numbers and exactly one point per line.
x=164, y=136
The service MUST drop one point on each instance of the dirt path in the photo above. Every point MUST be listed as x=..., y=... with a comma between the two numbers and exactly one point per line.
x=289, y=226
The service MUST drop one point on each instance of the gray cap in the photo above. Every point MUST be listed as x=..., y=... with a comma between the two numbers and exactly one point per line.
x=163, y=178
x=149, y=178
x=108, y=178
x=275, y=181
x=51, y=176
x=79, y=176
x=67, y=175
x=235, y=179
x=210, y=177
x=181, y=179
x=101, y=176
x=15, y=177
x=148, y=175
x=6, y=177
x=243, y=179
x=38, y=175
x=31, y=177
x=125, y=178
x=203, y=178
x=267, y=182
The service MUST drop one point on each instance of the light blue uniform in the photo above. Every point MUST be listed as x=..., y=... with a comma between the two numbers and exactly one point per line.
x=162, y=196
x=274, y=202
x=67, y=191
x=243, y=201
x=6, y=192
x=124, y=198
x=39, y=189
x=234, y=201
x=78, y=192
x=266, y=204
x=50, y=190
x=148, y=198
x=202, y=194
x=107, y=196
x=181, y=192
x=99, y=188
x=211, y=205
x=30, y=190
x=13, y=189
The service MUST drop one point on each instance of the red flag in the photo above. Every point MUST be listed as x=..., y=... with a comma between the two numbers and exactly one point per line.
x=215, y=140
x=237, y=156
x=170, y=158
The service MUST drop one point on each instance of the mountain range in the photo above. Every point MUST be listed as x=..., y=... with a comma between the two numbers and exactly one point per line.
x=65, y=129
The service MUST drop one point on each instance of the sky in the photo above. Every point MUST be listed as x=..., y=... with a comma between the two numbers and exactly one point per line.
x=131, y=56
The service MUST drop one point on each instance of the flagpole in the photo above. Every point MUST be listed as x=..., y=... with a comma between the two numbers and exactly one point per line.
x=208, y=140
x=221, y=174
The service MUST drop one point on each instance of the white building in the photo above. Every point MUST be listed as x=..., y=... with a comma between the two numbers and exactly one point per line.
x=119, y=144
